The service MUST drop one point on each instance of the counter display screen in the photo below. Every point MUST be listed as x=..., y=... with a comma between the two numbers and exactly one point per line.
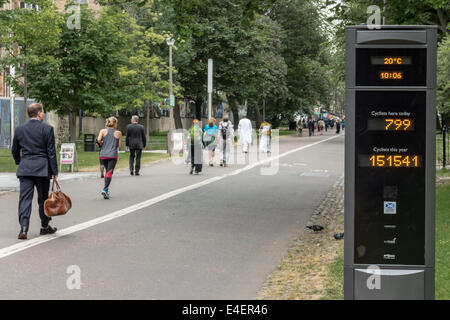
x=390, y=177
x=390, y=124
x=391, y=66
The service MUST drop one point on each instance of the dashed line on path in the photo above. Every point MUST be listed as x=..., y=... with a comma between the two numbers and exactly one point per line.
x=18, y=247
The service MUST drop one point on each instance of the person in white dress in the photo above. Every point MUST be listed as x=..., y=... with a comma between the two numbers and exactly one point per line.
x=245, y=133
x=265, y=134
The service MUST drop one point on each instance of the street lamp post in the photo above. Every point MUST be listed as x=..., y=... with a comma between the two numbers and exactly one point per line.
x=210, y=87
x=170, y=42
x=264, y=101
x=11, y=103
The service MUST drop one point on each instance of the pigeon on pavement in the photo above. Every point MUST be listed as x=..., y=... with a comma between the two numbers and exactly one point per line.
x=315, y=228
x=339, y=235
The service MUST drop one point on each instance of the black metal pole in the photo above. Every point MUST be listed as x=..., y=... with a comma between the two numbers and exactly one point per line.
x=80, y=123
x=444, y=149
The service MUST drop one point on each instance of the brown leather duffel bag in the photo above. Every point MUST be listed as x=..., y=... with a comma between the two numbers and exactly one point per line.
x=57, y=203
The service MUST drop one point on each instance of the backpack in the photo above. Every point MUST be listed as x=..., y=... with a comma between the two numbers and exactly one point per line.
x=224, y=129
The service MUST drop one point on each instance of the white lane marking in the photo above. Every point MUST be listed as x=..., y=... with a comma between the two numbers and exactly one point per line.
x=15, y=248
x=315, y=174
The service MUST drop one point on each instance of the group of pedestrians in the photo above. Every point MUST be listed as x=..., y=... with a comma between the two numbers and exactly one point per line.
x=321, y=126
x=211, y=137
x=222, y=138
x=34, y=151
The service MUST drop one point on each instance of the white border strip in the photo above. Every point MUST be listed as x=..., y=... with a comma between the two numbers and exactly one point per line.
x=18, y=247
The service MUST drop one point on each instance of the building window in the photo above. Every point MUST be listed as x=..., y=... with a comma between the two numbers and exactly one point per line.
x=24, y=5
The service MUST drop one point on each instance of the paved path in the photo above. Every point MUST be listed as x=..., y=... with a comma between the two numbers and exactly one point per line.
x=169, y=235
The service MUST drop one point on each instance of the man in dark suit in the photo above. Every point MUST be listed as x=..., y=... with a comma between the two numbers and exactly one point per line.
x=34, y=151
x=135, y=142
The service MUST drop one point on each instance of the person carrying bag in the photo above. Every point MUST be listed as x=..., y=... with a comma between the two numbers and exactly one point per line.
x=58, y=203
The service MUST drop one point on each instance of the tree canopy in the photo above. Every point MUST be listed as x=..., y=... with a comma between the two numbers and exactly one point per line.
x=285, y=54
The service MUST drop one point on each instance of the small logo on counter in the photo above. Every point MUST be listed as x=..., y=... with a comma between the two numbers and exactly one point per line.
x=374, y=280
x=390, y=241
x=389, y=257
x=390, y=207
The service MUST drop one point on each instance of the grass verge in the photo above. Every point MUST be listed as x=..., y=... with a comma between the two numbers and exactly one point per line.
x=334, y=289
x=442, y=276
x=303, y=273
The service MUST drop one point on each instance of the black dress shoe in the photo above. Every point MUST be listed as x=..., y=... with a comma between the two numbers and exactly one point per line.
x=48, y=230
x=22, y=235
x=131, y=173
x=137, y=174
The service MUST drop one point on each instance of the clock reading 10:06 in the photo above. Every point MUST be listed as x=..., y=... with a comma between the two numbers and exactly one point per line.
x=397, y=161
x=391, y=75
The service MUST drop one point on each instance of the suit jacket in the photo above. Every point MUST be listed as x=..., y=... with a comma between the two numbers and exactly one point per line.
x=136, y=138
x=34, y=150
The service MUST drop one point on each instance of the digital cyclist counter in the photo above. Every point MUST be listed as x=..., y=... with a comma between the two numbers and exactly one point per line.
x=390, y=162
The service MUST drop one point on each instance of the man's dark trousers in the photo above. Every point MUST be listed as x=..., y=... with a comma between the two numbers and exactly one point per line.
x=27, y=185
x=135, y=153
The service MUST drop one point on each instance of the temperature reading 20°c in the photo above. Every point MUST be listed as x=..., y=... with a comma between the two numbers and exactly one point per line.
x=393, y=60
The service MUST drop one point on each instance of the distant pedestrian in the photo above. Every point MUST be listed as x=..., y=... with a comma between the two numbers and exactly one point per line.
x=321, y=126
x=111, y=141
x=226, y=139
x=245, y=132
x=311, y=127
x=33, y=149
x=338, y=126
x=299, y=127
x=210, y=139
x=343, y=124
x=265, y=136
x=195, y=145
x=135, y=142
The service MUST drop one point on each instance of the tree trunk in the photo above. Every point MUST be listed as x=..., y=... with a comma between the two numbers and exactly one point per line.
x=442, y=20
x=73, y=127
x=198, y=108
x=177, y=117
x=147, y=120
x=258, y=116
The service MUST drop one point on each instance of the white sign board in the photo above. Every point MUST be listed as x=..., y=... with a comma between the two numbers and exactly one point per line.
x=177, y=138
x=68, y=155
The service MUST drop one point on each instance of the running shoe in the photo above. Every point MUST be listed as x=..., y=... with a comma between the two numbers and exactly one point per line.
x=105, y=194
